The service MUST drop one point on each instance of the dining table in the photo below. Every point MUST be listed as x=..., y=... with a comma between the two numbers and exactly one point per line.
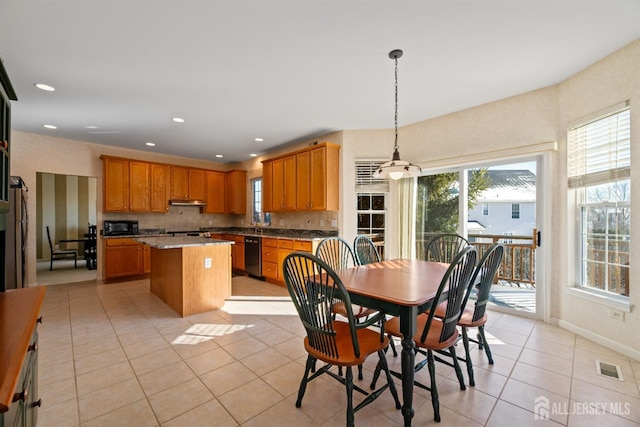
x=402, y=288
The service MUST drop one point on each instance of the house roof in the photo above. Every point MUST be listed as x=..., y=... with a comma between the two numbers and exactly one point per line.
x=509, y=186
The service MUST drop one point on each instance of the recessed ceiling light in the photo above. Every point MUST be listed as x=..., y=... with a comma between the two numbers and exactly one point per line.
x=219, y=155
x=44, y=87
x=178, y=120
x=150, y=144
x=253, y=155
x=259, y=139
x=91, y=127
x=50, y=126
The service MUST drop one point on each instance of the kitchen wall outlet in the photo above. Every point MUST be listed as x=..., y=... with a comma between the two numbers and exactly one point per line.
x=334, y=222
x=322, y=223
x=616, y=314
x=210, y=222
x=207, y=263
x=282, y=222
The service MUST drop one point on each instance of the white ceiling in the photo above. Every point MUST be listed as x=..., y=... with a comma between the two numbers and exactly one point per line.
x=285, y=71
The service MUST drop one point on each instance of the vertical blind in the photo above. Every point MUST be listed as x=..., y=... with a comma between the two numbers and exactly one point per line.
x=600, y=148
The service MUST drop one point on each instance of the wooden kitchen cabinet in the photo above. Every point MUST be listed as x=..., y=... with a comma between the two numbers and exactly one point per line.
x=317, y=178
x=115, y=174
x=275, y=250
x=159, y=197
x=307, y=179
x=125, y=257
x=215, y=192
x=236, y=192
x=270, y=258
x=187, y=183
x=139, y=186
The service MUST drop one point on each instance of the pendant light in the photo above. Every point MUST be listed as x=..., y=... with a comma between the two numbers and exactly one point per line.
x=396, y=168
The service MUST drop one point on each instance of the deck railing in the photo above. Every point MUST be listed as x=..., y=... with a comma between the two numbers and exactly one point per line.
x=518, y=262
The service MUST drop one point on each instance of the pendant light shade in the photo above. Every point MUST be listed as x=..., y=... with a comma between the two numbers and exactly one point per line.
x=396, y=168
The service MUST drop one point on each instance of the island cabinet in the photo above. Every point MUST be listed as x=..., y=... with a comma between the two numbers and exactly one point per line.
x=192, y=274
x=187, y=183
x=304, y=180
x=125, y=257
x=19, y=316
x=215, y=192
x=236, y=192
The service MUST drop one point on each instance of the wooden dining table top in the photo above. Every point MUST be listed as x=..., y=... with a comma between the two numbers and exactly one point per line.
x=402, y=282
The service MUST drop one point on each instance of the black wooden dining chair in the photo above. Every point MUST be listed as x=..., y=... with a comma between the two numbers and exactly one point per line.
x=440, y=334
x=476, y=316
x=314, y=287
x=444, y=247
x=365, y=250
x=338, y=255
x=60, y=254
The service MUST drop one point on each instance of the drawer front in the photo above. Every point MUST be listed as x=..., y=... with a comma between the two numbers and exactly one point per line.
x=270, y=254
x=121, y=242
x=303, y=245
x=271, y=242
x=285, y=243
x=270, y=269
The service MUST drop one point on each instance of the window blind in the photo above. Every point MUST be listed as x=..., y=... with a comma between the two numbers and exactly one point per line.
x=365, y=183
x=600, y=149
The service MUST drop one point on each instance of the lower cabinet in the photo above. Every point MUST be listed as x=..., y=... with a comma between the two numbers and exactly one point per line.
x=19, y=405
x=270, y=258
x=275, y=250
x=125, y=257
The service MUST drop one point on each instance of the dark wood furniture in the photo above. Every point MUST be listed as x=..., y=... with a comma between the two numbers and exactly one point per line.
x=60, y=254
x=401, y=288
x=19, y=311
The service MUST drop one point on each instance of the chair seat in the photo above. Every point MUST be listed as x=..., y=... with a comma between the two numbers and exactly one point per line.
x=67, y=252
x=392, y=327
x=358, y=310
x=466, y=320
x=369, y=341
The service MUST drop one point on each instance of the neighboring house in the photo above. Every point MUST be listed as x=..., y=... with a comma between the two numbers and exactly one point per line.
x=508, y=206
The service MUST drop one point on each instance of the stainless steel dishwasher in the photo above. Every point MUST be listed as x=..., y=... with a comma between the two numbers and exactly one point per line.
x=253, y=256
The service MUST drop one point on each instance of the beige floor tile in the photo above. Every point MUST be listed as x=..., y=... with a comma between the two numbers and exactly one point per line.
x=501, y=348
x=99, y=361
x=584, y=369
x=137, y=414
x=286, y=379
x=109, y=399
x=248, y=400
x=513, y=323
x=151, y=362
x=287, y=415
x=489, y=382
x=227, y=378
x=166, y=377
x=81, y=351
x=245, y=348
x=526, y=396
x=507, y=415
x=585, y=344
x=559, y=349
x=501, y=365
x=207, y=362
x=104, y=377
x=546, y=361
x=606, y=399
x=188, y=346
x=506, y=336
x=58, y=392
x=146, y=346
x=293, y=348
x=265, y=361
x=179, y=399
x=208, y=414
x=589, y=417
x=472, y=403
x=323, y=399
x=546, y=380
x=55, y=372
x=64, y=414
x=275, y=336
x=448, y=418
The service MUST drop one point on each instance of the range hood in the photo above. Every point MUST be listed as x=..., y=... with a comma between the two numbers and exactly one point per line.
x=187, y=202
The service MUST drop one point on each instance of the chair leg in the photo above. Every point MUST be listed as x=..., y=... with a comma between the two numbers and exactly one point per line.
x=456, y=366
x=360, y=372
x=303, y=384
x=392, y=386
x=75, y=261
x=434, y=388
x=483, y=339
x=349, y=385
x=393, y=346
x=465, y=341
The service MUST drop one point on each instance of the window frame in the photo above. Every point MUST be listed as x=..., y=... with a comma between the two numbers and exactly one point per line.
x=515, y=210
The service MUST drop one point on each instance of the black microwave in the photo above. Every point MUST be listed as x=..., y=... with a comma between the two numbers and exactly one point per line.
x=120, y=228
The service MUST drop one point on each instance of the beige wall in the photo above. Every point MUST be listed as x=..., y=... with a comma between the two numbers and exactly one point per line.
x=513, y=127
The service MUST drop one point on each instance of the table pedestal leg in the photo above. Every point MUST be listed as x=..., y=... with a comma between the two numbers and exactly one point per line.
x=408, y=317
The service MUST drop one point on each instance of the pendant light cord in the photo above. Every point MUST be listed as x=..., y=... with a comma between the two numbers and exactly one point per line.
x=395, y=147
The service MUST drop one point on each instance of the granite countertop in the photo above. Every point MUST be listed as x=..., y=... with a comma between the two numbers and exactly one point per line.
x=238, y=231
x=173, y=242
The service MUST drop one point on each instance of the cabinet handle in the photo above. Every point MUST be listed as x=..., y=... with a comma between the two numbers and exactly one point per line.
x=23, y=395
x=33, y=347
x=39, y=320
x=37, y=403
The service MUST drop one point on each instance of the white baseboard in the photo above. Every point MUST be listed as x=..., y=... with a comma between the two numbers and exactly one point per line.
x=599, y=339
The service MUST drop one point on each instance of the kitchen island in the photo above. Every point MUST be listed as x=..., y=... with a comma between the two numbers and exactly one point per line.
x=190, y=274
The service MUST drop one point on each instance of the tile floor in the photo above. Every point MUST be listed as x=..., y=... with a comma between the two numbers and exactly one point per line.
x=114, y=355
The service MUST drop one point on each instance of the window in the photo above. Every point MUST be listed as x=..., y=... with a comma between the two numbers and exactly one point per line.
x=485, y=209
x=515, y=210
x=599, y=176
x=371, y=202
x=256, y=191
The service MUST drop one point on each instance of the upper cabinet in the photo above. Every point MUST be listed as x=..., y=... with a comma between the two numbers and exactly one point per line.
x=187, y=183
x=139, y=186
x=215, y=192
x=115, y=173
x=159, y=188
x=236, y=192
x=304, y=180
